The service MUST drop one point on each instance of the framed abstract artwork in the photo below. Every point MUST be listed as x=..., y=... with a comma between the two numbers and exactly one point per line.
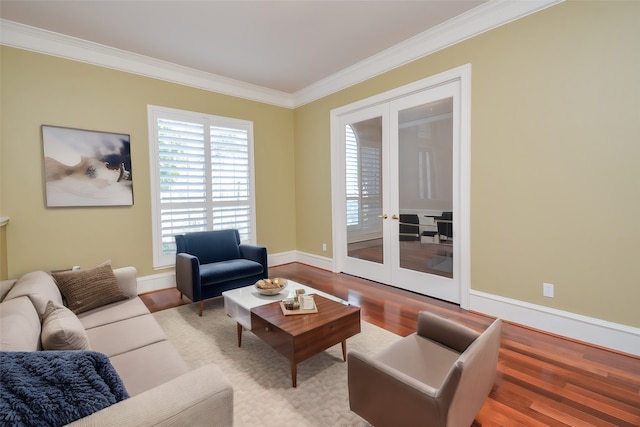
x=86, y=168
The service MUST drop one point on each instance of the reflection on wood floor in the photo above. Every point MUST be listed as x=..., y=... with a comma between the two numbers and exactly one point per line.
x=432, y=258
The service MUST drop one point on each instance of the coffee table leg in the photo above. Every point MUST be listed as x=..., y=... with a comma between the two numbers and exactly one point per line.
x=294, y=374
x=344, y=350
x=239, y=326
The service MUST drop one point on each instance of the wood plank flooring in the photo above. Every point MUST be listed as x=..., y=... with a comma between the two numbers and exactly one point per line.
x=543, y=380
x=414, y=255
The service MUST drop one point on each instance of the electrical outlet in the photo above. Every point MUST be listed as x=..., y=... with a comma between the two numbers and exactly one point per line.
x=324, y=247
x=547, y=290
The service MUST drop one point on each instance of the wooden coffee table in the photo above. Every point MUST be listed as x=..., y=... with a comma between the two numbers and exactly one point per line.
x=299, y=337
x=239, y=302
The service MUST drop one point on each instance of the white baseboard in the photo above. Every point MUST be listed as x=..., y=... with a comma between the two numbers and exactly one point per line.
x=282, y=258
x=576, y=326
x=583, y=328
x=156, y=282
x=315, y=260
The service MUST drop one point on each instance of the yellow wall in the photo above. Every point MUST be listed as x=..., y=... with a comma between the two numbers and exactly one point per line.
x=39, y=89
x=554, y=155
x=555, y=149
x=3, y=251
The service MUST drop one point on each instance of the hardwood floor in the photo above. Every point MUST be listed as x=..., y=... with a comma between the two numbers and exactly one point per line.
x=542, y=380
x=414, y=255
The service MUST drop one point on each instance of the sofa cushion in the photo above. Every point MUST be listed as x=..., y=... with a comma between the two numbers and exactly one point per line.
x=202, y=397
x=126, y=335
x=39, y=286
x=19, y=325
x=62, y=330
x=88, y=289
x=112, y=313
x=149, y=366
x=225, y=271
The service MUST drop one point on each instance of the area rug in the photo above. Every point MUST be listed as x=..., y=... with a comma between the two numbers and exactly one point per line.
x=261, y=377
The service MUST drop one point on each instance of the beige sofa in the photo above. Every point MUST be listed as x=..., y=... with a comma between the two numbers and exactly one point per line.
x=163, y=390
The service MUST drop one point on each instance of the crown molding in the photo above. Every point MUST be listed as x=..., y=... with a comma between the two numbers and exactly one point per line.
x=486, y=17
x=50, y=43
x=483, y=18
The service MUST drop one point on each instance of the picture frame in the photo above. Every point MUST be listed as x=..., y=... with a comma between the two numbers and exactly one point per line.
x=86, y=167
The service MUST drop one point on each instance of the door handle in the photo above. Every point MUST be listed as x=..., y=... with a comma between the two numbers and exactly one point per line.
x=395, y=216
x=385, y=216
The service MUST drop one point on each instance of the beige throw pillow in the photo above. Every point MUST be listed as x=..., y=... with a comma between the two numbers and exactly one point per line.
x=88, y=289
x=62, y=330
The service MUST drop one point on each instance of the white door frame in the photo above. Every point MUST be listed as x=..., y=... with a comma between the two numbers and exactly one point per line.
x=463, y=75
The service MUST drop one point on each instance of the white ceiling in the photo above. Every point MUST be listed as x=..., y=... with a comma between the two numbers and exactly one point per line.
x=282, y=46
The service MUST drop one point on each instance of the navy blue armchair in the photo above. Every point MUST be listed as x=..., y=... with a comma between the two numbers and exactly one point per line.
x=211, y=262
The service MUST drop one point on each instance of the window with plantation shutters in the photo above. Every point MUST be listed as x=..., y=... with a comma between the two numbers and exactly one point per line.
x=370, y=190
x=352, y=178
x=202, y=177
x=363, y=187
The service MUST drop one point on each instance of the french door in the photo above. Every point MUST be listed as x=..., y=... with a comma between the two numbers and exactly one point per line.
x=400, y=174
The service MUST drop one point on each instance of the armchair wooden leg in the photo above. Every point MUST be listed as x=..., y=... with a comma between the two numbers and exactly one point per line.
x=201, y=306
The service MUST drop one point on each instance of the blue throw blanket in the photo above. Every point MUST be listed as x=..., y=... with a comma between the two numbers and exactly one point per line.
x=53, y=388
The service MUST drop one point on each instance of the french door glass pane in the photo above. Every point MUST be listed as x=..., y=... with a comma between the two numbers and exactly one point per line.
x=425, y=157
x=363, y=154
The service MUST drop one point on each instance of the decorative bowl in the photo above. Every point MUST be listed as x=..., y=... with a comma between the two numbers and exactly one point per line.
x=271, y=286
